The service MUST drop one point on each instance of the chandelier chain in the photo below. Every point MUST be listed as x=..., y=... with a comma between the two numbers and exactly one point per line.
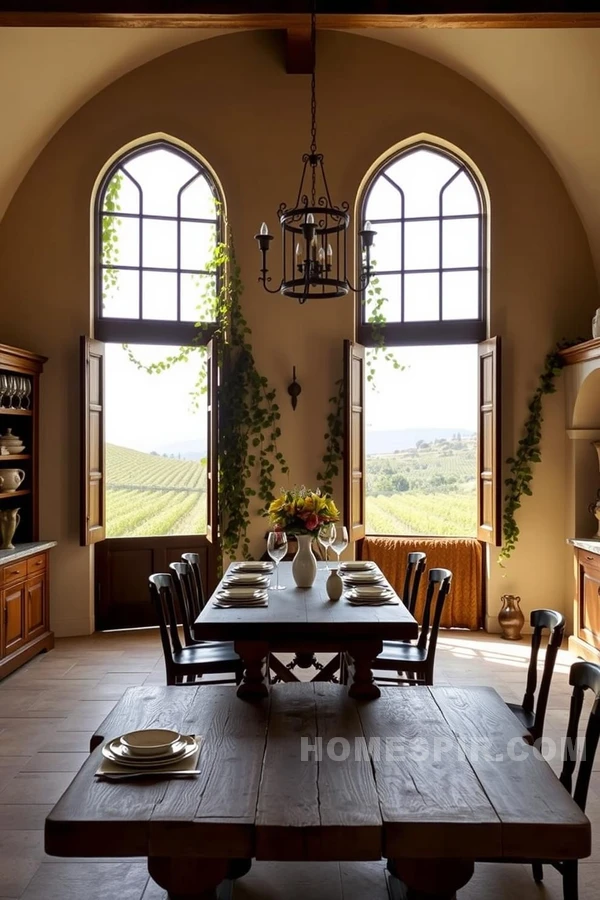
x=313, y=97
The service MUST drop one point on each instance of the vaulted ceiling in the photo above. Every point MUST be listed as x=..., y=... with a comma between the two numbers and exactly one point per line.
x=548, y=78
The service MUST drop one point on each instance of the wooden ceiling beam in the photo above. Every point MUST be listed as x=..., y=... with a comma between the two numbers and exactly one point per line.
x=338, y=15
x=298, y=51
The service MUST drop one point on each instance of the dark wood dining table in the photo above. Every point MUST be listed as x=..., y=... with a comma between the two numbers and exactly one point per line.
x=305, y=621
x=432, y=779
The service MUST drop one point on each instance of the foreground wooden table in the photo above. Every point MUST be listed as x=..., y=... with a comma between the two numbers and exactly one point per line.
x=301, y=620
x=413, y=777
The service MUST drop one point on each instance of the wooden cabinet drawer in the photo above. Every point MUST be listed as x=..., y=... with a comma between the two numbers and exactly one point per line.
x=15, y=571
x=36, y=612
x=13, y=611
x=36, y=563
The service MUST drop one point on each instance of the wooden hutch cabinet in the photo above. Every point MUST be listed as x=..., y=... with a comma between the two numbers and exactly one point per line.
x=24, y=570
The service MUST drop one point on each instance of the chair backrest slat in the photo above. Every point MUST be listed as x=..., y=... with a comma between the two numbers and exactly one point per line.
x=183, y=580
x=198, y=597
x=415, y=566
x=555, y=623
x=439, y=581
x=583, y=676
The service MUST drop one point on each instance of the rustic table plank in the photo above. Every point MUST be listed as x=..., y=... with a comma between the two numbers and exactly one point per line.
x=156, y=706
x=522, y=788
x=430, y=798
x=312, y=807
x=216, y=811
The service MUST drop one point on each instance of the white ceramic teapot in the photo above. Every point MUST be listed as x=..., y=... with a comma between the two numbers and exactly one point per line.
x=11, y=479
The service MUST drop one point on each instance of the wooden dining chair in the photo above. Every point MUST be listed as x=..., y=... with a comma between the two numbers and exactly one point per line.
x=199, y=595
x=531, y=712
x=584, y=676
x=414, y=663
x=184, y=665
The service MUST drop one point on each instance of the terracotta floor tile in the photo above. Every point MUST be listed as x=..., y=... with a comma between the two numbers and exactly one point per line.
x=55, y=762
x=92, y=881
x=23, y=817
x=36, y=787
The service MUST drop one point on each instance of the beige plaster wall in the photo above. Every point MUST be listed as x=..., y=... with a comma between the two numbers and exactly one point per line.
x=231, y=99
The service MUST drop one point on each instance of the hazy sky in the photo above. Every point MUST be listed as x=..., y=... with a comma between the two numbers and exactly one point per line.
x=437, y=389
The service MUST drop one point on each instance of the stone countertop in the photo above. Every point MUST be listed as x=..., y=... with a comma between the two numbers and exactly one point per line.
x=21, y=551
x=590, y=545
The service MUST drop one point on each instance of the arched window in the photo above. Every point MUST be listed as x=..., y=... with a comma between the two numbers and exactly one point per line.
x=148, y=466
x=428, y=210
x=157, y=220
x=427, y=437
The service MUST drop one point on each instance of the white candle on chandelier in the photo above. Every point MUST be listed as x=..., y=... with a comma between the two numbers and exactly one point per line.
x=264, y=229
x=313, y=248
x=298, y=253
x=321, y=256
x=329, y=253
x=368, y=226
x=310, y=219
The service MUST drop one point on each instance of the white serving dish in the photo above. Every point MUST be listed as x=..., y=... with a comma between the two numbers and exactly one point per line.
x=150, y=742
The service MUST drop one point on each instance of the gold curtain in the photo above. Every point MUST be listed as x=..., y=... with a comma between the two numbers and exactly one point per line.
x=463, y=556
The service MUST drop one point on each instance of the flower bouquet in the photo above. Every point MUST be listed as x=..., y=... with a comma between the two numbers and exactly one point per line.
x=302, y=512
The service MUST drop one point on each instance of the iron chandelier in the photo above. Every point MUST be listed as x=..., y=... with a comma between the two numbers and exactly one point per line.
x=314, y=232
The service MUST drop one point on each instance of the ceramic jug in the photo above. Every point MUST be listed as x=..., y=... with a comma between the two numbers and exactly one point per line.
x=9, y=520
x=11, y=479
x=511, y=618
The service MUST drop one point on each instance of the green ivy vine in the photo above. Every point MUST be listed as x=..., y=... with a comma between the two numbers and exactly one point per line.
x=248, y=411
x=110, y=234
x=520, y=466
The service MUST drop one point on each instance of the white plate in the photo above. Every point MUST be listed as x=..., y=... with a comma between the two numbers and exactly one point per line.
x=247, y=578
x=371, y=590
x=241, y=593
x=153, y=742
x=240, y=604
x=117, y=752
x=357, y=566
x=252, y=566
x=363, y=578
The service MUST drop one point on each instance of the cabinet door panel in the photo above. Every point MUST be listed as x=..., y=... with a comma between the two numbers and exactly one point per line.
x=589, y=616
x=36, y=606
x=13, y=604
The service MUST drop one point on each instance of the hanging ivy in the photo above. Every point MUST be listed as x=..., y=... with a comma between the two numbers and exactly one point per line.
x=334, y=440
x=520, y=466
x=110, y=234
x=248, y=412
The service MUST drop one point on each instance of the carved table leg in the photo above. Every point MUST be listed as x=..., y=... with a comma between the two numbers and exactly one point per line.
x=188, y=879
x=253, y=685
x=428, y=879
x=237, y=868
x=362, y=655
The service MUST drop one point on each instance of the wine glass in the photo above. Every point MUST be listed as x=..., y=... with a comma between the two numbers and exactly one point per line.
x=12, y=391
x=3, y=387
x=326, y=539
x=277, y=548
x=340, y=542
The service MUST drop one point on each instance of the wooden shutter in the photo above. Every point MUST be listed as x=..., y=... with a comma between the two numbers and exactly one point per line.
x=354, y=439
x=93, y=475
x=489, y=460
x=212, y=436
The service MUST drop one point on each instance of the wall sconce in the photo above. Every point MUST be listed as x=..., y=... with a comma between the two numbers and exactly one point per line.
x=294, y=390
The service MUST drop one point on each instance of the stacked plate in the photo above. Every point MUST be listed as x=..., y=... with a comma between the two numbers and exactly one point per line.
x=242, y=586
x=372, y=595
x=151, y=749
x=257, y=566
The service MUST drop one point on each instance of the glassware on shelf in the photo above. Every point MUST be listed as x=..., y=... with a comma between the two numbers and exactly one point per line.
x=326, y=539
x=27, y=387
x=3, y=387
x=340, y=542
x=277, y=546
x=12, y=391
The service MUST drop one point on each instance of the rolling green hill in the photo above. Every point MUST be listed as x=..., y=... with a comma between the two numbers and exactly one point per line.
x=147, y=494
x=428, y=489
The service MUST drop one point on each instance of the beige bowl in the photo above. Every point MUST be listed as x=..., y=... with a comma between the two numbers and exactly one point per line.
x=151, y=742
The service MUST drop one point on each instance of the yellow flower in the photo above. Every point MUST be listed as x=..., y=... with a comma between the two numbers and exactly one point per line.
x=277, y=505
